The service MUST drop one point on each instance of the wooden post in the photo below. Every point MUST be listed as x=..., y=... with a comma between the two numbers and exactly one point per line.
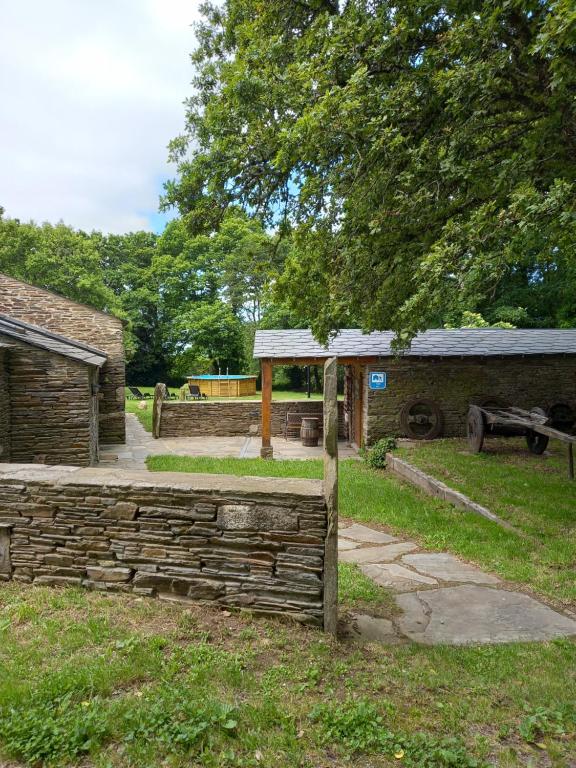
x=331, y=495
x=570, y=462
x=266, y=451
x=159, y=397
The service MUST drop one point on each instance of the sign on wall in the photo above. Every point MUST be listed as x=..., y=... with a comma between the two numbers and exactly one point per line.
x=377, y=380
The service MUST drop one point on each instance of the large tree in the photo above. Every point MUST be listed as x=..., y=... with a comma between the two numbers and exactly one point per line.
x=424, y=154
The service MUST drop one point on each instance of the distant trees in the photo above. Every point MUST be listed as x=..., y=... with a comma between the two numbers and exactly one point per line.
x=192, y=302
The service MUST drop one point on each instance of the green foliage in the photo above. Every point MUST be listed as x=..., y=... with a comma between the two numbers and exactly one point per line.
x=51, y=731
x=544, y=721
x=359, y=726
x=421, y=155
x=376, y=455
x=169, y=717
x=192, y=301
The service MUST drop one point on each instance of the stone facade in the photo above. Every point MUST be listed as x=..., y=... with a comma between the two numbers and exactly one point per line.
x=454, y=384
x=4, y=408
x=50, y=409
x=84, y=324
x=236, y=541
x=191, y=419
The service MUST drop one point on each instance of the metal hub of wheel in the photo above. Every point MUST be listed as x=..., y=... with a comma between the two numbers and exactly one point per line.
x=421, y=419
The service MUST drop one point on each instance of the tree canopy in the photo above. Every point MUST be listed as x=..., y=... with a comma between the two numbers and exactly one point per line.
x=422, y=156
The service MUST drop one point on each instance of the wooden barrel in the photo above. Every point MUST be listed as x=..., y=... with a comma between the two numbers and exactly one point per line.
x=309, y=431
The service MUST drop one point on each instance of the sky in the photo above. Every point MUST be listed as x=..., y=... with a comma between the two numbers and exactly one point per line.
x=91, y=92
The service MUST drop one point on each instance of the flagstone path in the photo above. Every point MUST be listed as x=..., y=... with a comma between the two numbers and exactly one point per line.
x=442, y=599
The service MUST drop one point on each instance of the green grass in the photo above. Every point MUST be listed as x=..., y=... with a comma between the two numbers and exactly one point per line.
x=116, y=681
x=544, y=563
x=531, y=492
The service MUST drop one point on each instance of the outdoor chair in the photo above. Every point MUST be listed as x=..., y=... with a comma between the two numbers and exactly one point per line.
x=137, y=395
x=195, y=393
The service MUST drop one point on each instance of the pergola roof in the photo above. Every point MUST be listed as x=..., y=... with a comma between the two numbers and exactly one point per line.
x=457, y=342
x=60, y=345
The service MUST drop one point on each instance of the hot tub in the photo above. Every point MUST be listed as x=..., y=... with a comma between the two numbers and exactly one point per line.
x=224, y=386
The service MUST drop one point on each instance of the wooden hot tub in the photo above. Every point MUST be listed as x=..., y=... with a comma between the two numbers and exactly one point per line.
x=224, y=386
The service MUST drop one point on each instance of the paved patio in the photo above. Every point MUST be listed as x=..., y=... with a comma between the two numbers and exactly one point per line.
x=140, y=444
x=443, y=600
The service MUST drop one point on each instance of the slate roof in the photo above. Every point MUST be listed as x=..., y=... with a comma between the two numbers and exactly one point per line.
x=60, y=345
x=457, y=342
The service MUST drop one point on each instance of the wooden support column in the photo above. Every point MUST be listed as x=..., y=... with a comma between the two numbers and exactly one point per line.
x=331, y=495
x=266, y=451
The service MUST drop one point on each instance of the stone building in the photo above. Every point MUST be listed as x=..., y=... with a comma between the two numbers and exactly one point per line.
x=425, y=391
x=48, y=396
x=83, y=324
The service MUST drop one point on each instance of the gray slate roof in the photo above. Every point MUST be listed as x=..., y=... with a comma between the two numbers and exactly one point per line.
x=60, y=345
x=457, y=342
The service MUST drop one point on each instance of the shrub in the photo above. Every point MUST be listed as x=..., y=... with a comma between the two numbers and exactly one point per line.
x=376, y=456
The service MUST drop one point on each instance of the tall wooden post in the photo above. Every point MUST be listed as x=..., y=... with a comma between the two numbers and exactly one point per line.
x=331, y=495
x=266, y=451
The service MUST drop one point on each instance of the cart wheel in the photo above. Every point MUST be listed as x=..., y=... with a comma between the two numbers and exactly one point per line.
x=537, y=443
x=561, y=417
x=476, y=429
x=421, y=419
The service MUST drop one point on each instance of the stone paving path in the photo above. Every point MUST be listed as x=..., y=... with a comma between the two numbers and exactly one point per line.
x=442, y=599
x=140, y=444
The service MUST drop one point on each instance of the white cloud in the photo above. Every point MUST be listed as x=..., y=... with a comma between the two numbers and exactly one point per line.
x=91, y=92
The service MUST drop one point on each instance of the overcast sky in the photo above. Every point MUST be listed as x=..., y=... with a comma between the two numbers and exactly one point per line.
x=91, y=92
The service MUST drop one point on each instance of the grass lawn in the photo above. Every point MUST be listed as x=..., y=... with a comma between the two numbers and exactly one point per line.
x=531, y=492
x=117, y=681
x=277, y=394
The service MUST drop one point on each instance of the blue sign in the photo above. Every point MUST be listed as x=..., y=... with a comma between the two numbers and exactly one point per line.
x=377, y=380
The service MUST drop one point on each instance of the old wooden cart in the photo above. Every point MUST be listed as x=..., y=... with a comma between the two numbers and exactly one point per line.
x=535, y=425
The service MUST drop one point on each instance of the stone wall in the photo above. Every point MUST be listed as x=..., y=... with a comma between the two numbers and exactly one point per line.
x=4, y=409
x=82, y=323
x=236, y=541
x=455, y=383
x=51, y=407
x=194, y=418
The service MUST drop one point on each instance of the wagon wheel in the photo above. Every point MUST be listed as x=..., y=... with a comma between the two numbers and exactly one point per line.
x=561, y=417
x=476, y=429
x=421, y=419
x=537, y=443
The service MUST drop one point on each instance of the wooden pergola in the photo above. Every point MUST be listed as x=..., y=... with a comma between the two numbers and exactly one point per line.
x=357, y=364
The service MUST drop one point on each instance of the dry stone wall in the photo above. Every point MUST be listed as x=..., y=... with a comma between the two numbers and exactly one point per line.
x=4, y=409
x=236, y=541
x=51, y=414
x=82, y=323
x=195, y=418
x=455, y=383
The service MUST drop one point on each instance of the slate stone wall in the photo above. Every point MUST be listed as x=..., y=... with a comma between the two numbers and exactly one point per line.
x=191, y=419
x=51, y=407
x=82, y=323
x=236, y=541
x=456, y=383
x=4, y=409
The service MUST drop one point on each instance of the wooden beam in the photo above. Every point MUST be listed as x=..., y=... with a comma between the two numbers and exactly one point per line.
x=266, y=451
x=331, y=495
